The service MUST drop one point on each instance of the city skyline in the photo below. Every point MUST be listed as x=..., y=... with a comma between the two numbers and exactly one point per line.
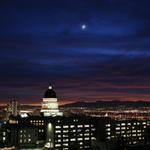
x=89, y=50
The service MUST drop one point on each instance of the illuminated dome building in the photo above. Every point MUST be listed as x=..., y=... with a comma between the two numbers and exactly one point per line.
x=50, y=104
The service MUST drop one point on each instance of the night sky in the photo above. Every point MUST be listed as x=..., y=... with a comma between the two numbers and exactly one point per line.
x=87, y=49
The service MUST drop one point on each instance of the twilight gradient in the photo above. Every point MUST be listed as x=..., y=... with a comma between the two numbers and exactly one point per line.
x=42, y=43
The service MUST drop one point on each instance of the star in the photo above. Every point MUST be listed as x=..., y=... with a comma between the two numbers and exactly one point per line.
x=83, y=27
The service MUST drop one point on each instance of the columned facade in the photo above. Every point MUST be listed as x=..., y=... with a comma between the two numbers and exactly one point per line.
x=50, y=104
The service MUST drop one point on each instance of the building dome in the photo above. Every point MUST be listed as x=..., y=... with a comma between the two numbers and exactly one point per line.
x=50, y=93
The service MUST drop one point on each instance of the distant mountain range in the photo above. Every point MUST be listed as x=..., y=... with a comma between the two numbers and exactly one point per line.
x=114, y=103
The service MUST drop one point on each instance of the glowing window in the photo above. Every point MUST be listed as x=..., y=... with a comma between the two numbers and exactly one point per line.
x=123, y=124
x=107, y=125
x=72, y=139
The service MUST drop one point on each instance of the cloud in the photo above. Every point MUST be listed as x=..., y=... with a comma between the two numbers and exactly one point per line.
x=42, y=43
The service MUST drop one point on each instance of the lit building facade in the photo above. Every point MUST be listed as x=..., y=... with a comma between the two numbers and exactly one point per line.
x=67, y=132
x=130, y=131
x=19, y=135
x=64, y=132
x=61, y=132
x=12, y=108
x=50, y=104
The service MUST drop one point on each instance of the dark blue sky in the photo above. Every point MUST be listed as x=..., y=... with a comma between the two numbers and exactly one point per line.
x=42, y=43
